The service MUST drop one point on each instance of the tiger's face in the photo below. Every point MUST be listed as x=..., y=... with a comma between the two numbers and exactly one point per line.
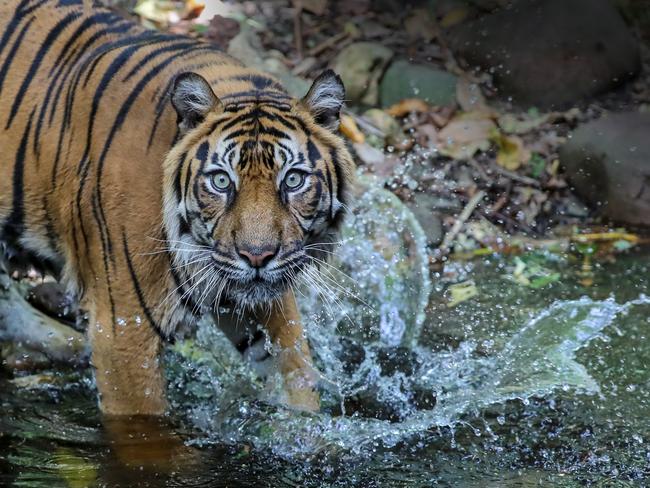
x=258, y=189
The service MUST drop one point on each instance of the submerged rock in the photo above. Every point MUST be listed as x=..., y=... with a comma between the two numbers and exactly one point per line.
x=360, y=65
x=608, y=163
x=407, y=80
x=550, y=53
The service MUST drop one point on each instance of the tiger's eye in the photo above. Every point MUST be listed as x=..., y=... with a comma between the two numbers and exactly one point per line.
x=221, y=181
x=294, y=179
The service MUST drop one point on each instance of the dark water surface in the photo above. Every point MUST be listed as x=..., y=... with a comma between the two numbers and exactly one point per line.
x=546, y=387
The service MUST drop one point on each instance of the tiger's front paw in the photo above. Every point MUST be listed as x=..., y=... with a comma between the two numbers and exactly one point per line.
x=305, y=399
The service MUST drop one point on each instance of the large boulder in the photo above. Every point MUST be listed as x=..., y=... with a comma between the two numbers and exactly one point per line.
x=551, y=53
x=608, y=163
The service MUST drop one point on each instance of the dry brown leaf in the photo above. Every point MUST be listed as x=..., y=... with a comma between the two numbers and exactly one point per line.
x=193, y=9
x=512, y=152
x=350, y=129
x=407, y=106
x=466, y=134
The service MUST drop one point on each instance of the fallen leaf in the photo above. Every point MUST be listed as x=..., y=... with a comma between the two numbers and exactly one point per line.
x=407, y=106
x=155, y=11
x=521, y=123
x=453, y=17
x=469, y=96
x=350, y=130
x=512, y=152
x=466, y=134
x=461, y=292
x=193, y=9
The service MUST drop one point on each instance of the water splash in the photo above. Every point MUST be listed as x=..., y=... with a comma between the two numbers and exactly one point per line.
x=536, y=361
x=379, y=387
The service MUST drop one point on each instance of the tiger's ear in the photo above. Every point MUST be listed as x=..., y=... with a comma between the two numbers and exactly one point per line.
x=325, y=99
x=193, y=98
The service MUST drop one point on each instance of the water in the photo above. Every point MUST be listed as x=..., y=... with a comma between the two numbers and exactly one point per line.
x=514, y=387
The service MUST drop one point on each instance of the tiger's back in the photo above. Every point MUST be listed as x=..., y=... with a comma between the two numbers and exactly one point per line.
x=81, y=87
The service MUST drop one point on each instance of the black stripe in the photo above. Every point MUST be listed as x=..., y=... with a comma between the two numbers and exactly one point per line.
x=105, y=257
x=270, y=97
x=20, y=14
x=138, y=290
x=108, y=76
x=260, y=82
x=47, y=43
x=117, y=124
x=240, y=119
x=142, y=39
x=63, y=71
x=202, y=152
x=177, y=178
x=15, y=224
x=330, y=188
x=154, y=54
x=50, y=231
x=118, y=28
x=12, y=53
x=92, y=21
x=340, y=182
x=313, y=154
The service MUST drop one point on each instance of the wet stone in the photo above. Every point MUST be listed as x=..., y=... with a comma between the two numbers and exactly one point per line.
x=550, y=53
x=408, y=80
x=360, y=65
x=608, y=163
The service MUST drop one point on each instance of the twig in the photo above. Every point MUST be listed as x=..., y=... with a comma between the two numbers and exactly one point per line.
x=462, y=218
x=514, y=176
x=327, y=43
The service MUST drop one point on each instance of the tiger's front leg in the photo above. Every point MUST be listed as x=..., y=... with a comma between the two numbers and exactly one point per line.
x=293, y=355
x=126, y=358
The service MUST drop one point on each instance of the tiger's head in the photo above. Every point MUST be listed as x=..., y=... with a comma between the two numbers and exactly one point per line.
x=255, y=190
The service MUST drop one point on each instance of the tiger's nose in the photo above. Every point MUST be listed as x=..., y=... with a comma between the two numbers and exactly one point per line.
x=257, y=258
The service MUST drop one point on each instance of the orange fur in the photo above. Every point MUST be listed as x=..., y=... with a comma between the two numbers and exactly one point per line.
x=98, y=180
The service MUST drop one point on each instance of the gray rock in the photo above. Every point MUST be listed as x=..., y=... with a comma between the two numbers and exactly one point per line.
x=360, y=65
x=608, y=163
x=407, y=80
x=247, y=48
x=423, y=207
x=550, y=53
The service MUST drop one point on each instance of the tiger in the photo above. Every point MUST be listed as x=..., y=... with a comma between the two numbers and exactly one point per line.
x=160, y=180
